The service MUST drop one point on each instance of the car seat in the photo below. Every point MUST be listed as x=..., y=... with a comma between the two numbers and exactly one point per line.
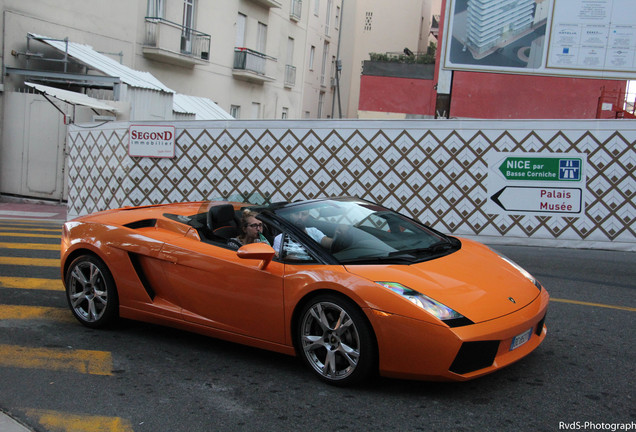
x=221, y=222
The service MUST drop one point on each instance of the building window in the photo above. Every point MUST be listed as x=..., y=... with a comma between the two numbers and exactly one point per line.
x=328, y=18
x=323, y=67
x=261, y=38
x=241, y=21
x=156, y=9
x=316, y=7
x=368, y=21
x=188, y=25
x=296, y=10
x=312, y=54
x=285, y=113
x=321, y=103
x=256, y=110
x=235, y=111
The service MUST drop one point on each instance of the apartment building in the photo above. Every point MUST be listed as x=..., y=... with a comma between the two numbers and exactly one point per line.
x=255, y=58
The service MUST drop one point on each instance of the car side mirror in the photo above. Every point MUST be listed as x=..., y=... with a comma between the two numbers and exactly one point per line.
x=257, y=251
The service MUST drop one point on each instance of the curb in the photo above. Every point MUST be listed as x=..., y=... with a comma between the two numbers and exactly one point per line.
x=9, y=424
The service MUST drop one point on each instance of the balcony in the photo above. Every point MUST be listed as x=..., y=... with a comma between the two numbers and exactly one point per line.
x=268, y=3
x=172, y=43
x=250, y=65
x=290, y=76
x=296, y=10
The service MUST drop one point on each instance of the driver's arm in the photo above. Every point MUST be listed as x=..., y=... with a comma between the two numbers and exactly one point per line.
x=326, y=242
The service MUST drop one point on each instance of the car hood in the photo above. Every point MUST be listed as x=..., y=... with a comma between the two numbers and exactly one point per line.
x=474, y=281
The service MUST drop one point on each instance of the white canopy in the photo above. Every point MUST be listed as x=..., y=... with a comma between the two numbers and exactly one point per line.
x=73, y=98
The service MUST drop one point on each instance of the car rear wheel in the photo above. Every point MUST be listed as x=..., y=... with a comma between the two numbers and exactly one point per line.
x=335, y=340
x=90, y=291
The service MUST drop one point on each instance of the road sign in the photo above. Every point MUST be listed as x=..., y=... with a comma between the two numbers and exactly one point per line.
x=541, y=169
x=539, y=183
x=539, y=199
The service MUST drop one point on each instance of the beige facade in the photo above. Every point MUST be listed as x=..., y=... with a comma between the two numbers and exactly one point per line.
x=380, y=26
x=193, y=46
x=292, y=45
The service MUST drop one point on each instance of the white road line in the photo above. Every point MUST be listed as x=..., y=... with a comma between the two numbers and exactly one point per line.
x=26, y=214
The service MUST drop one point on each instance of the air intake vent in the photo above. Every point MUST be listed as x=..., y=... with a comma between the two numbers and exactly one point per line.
x=144, y=223
x=473, y=356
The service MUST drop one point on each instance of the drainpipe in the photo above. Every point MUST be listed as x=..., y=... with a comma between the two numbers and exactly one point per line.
x=338, y=65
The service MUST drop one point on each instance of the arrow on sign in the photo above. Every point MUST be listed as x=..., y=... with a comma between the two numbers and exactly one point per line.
x=539, y=199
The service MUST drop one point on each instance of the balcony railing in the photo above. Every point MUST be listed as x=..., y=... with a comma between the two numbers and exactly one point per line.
x=251, y=65
x=296, y=10
x=290, y=75
x=170, y=41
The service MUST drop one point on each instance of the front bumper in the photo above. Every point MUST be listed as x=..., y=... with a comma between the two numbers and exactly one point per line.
x=414, y=349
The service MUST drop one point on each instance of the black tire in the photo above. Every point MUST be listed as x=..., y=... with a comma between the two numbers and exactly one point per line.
x=336, y=341
x=91, y=292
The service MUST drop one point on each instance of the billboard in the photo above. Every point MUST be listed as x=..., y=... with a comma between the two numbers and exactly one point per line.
x=586, y=38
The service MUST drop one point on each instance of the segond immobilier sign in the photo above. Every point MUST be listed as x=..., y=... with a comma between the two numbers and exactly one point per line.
x=156, y=141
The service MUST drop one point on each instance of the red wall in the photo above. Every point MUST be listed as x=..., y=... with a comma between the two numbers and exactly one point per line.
x=503, y=96
x=396, y=95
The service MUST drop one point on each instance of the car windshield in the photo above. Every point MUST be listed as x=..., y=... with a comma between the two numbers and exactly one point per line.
x=364, y=233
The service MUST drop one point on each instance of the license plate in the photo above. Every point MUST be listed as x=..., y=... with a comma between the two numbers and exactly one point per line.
x=519, y=340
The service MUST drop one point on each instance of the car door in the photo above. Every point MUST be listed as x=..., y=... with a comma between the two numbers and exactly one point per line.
x=221, y=290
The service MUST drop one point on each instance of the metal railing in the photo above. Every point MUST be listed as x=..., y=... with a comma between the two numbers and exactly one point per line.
x=168, y=35
x=250, y=60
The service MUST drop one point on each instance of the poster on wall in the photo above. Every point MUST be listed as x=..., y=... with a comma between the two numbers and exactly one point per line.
x=151, y=141
x=537, y=183
x=587, y=38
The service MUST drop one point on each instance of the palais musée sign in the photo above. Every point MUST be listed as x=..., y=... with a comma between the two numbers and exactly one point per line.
x=538, y=183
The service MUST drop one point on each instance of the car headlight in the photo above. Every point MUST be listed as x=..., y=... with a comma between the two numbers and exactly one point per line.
x=520, y=269
x=435, y=308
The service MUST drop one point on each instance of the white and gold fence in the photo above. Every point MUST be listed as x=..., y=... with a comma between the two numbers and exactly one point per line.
x=434, y=171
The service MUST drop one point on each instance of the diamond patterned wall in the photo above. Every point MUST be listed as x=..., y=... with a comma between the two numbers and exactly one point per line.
x=434, y=171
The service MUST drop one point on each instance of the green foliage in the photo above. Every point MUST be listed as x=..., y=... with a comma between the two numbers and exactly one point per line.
x=427, y=57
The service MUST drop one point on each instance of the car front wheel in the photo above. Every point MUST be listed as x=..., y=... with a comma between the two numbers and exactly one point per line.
x=336, y=340
x=90, y=291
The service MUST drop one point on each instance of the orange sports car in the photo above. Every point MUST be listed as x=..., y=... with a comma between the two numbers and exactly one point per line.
x=349, y=286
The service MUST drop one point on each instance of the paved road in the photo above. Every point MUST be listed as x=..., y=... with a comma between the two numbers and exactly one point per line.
x=56, y=375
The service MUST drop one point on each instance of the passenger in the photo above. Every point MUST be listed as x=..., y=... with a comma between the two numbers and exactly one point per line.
x=251, y=231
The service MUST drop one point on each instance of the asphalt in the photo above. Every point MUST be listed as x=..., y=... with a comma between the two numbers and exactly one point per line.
x=27, y=210
x=30, y=209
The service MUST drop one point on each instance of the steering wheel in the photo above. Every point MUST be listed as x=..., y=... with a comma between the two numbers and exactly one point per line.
x=342, y=239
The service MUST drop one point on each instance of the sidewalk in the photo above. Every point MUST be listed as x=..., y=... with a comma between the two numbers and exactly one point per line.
x=30, y=209
x=7, y=424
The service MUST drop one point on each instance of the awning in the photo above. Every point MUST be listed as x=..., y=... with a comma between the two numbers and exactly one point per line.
x=202, y=108
x=73, y=98
x=86, y=55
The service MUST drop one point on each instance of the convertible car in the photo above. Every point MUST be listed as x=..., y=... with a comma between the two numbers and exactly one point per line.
x=351, y=287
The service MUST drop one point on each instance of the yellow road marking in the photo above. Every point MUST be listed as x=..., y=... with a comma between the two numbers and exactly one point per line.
x=43, y=262
x=626, y=308
x=29, y=229
x=37, y=223
x=31, y=283
x=13, y=234
x=70, y=422
x=58, y=359
x=32, y=246
x=8, y=312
